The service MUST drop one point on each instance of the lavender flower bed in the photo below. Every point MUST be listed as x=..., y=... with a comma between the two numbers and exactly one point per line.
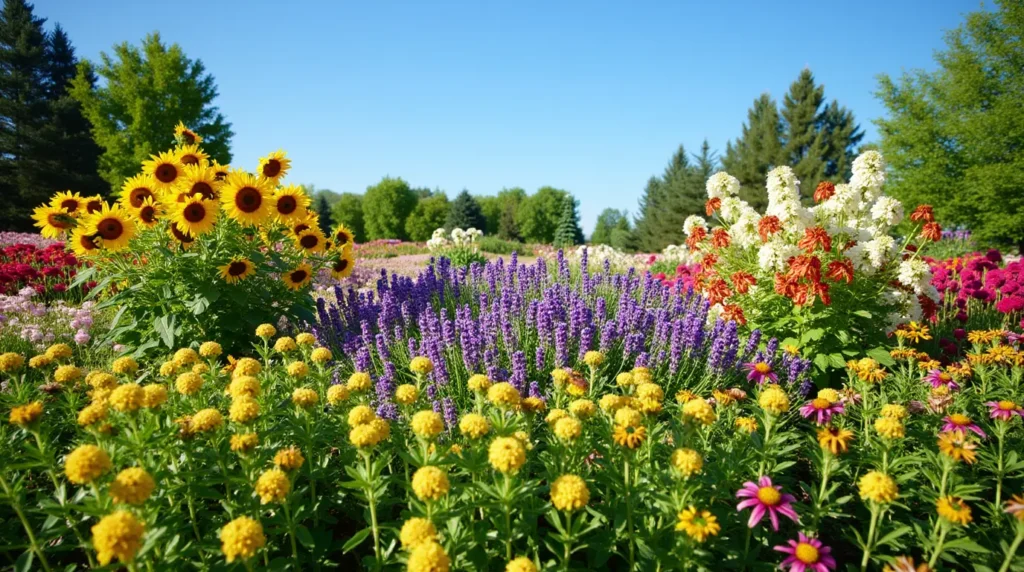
x=23, y=319
x=518, y=322
x=33, y=238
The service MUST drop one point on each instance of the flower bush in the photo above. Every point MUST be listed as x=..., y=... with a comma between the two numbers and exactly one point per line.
x=48, y=270
x=26, y=321
x=459, y=246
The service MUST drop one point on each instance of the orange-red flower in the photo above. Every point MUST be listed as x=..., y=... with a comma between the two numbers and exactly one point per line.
x=932, y=231
x=720, y=238
x=840, y=271
x=824, y=191
x=698, y=234
x=718, y=291
x=923, y=213
x=822, y=291
x=767, y=226
x=785, y=285
x=712, y=205
x=814, y=237
x=709, y=261
x=734, y=313
x=805, y=266
x=742, y=281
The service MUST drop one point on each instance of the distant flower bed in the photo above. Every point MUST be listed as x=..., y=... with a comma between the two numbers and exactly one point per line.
x=389, y=248
x=34, y=239
x=49, y=271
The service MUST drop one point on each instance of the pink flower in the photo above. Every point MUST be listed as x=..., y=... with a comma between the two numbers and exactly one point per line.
x=807, y=554
x=760, y=372
x=938, y=378
x=1004, y=410
x=766, y=498
x=960, y=421
x=823, y=409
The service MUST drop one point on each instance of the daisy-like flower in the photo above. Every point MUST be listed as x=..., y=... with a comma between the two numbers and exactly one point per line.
x=766, y=498
x=697, y=524
x=806, y=554
x=957, y=446
x=1004, y=410
x=960, y=421
x=834, y=439
x=760, y=372
x=1015, y=507
x=822, y=410
x=939, y=378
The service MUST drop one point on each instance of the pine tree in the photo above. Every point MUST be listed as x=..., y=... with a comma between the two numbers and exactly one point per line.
x=568, y=231
x=508, y=228
x=756, y=151
x=465, y=213
x=805, y=142
x=668, y=200
x=842, y=137
x=323, y=211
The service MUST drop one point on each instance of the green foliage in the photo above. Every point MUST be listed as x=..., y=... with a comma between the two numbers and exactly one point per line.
x=491, y=208
x=464, y=212
x=348, y=210
x=568, y=232
x=495, y=245
x=538, y=214
x=386, y=206
x=804, y=146
x=756, y=151
x=669, y=199
x=146, y=92
x=952, y=136
x=323, y=211
x=429, y=215
x=612, y=228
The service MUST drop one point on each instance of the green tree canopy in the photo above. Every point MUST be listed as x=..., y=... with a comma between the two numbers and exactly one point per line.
x=756, y=151
x=608, y=222
x=465, y=213
x=146, y=91
x=490, y=207
x=386, y=206
x=539, y=213
x=954, y=138
x=568, y=231
x=348, y=210
x=429, y=215
x=669, y=199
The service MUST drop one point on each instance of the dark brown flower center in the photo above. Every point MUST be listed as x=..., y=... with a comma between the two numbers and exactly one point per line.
x=286, y=205
x=87, y=242
x=166, y=173
x=194, y=213
x=189, y=159
x=271, y=168
x=248, y=200
x=342, y=237
x=188, y=136
x=341, y=265
x=203, y=189
x=147, y=214
x=220, y=175
x=237, y=268
x=110, y=229
x=93, y=206
x=138, y=196
x=59, y=220
x=298, y=276
x=300, y=227
x=70, y=205
x=309, y=241
x=181, y=236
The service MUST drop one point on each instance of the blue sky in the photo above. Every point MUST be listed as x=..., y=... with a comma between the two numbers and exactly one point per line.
x=588, y=96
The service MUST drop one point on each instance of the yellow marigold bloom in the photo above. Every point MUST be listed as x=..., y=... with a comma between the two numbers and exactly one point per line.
x=10, y=362
x=722, y=398
x=746, y=424
x=266, y=331
x=829, y=394
x=625, y=379
x=428, y=556
x=406, y=394
x=593, y=359
x=200, y=369
x=524, y=438
x=568, y=429
x=699, y=410
x=86, y=463
x=954, y=509
x=430, y=483
x=67, y=374
x=890, y=428
x=241, y=538
x=210, y=349
x=421, y=365
x=125, y=365
x=28, y=414
x=365, y=435
x=58, y=351
x=877, y=487
x=628, y=417
x=273, y=486
x=506, y=454
x=697, y=524
x=611, y=403
x=289, y=459
x=246, y=366
x=244, y=409
x=285, y=344
x=305, y=397
x=359, y=381
x=117, y=535
x=92, y=414
x=957, y=445
x=207, y=420
x=382, y=427
x=127, y=398
x=132, y=486
x=185, y=356
x=101, y=379
x=629, y=437
x=569, y=493
x=416, y=531
x=650, y=391
x=521, y=564
x=583, y=408
x=872, y=376
x=503, y=395
x=39, y=361
x=478, y=382
x=455, y=449
x=774, y=400
x=642, y=375
x=360, y=415
x=321, y=355
x=154, y=395
x=560, y=376
x=834, y=439
x=100, y=395
x=554, y=415
x=305, y=339
x=532, y=405
x=244, y=386
x=474, y=425
x=427, y=424
x=168, y=368
x=244, y=442
x=336, y=394
x=188, y=383
x=685, y=395
x=298, y=369
x=894, y=410
x=687, y=461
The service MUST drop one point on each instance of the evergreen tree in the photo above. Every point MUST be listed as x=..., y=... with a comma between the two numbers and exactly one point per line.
x=323, y=210
x=756, y=151
x=465, y=213
x=805, y=143
x=668, y=200
x=348, y=210
x=842, y=137
x=508, y=228
x=568, y=232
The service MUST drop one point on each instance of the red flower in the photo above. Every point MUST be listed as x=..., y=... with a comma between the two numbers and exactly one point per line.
x=785, y=285
x=695, y=237
x=718, y=291
x=840, y=271
x=802, y=295
x=734, y=313
x=767, y=226
x=932, y=231
x=814, y=237
x=805, y=266
x=742, y=281
x=822, y=290
x=824, y=191
x=709, y=261
x=923, y=213
x=712, y=205
x=720, y=238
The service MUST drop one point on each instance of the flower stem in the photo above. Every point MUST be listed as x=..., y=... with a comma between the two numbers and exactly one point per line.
x=938, y=547
x=870, y=541
x=568, y=540
x=1013, y=549
x=291, y=530
x=1000, y=433
x=629, y=516
x=33, y=543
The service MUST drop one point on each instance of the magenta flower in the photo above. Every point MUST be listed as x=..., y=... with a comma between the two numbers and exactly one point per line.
x=938, y=378
x=760, y=372
x=1004, y=410
x=807, y=554
x=962, y=422
x=766, y=498
x=823, y=409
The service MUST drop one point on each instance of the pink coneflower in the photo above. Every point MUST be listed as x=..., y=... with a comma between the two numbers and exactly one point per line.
x=807, y=554
x=822, y=408
x=938, y=378
x=960, y=421
x=1004, y=410
x=766, y=498
x=760, y=372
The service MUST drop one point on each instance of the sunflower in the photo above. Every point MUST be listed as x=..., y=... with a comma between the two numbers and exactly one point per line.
x=274, y=166
x=298, y=277
x=82, y=243
x=192, y=155
x=149, y=212
x=246, y=198
x=136, y=190
x=53, y=222
x=310, y=220
x=342, y=266
x=186, y=135
x=238, y=269
x=93, y=204
x=69, y=202
x=310, y=241
x=220, y=172
x=111, y=227
x=195, y=216
x=289, y=204
x=198, y=180
x=164, y=168
x=343, y=236
x=182, y=238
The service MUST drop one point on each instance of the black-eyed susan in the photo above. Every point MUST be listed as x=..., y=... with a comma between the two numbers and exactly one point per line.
x=245, y=198
x=343, y=264
x=310, y=241
x=196, y=216
x=238, y=269
x=343, y=237
x=191, y=155
x=69, y=202
x=112, y=227
x=149, y=212
x=186, y=135
x=198, y=180
x=165, y=169
x=298, y=277
x=274, y=166
x=629, y=437
x=136, y=190
x=53, y=222
x=289, y=204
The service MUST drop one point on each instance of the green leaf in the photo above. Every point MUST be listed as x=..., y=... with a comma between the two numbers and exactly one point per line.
x=304, y=536
x=356, y=540
x=881, y=355
x=164, y=327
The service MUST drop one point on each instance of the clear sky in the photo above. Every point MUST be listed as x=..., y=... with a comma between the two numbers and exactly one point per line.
x=588, y=96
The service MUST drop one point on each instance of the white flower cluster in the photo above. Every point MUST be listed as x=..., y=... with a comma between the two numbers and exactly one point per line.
x=597, y=254
x=442, y=239
x=678, y=254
